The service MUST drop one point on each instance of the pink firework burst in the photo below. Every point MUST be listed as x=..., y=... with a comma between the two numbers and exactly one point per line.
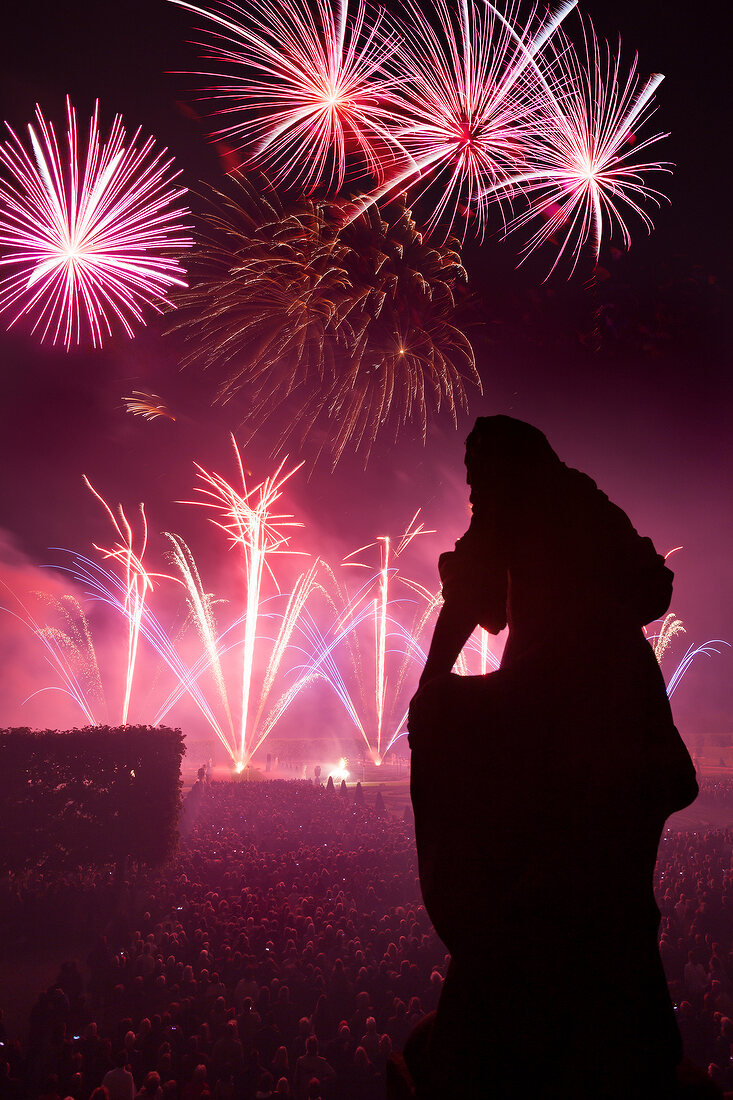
x=301, y=86
x=471, y=92
x=587, y=164
x=88, y=239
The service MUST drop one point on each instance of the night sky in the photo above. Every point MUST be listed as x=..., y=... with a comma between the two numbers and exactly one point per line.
x=640, y=399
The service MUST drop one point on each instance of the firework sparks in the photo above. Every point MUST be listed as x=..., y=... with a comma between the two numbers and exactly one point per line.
x=303, y=86
x=89, y=240
x=147, y=405
x=669, y=628
x=356, y=322
x=472, y=92
x=247, y=518
x=68, y=650
x=217, y=643
x=373, y=708
x=136, y=582
x=585, y=166
x=475, y=106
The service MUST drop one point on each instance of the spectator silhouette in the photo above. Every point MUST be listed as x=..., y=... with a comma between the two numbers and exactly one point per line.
x=555, y=986
x=119, y=1082
x=311, y=1066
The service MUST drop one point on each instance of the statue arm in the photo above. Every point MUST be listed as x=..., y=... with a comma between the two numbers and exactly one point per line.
x=474, y=592
x=456, y=622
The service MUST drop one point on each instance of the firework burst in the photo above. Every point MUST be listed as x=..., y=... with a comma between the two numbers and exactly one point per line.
x=462, y=105
x=356, y=322
x=88, y=239
x=586, y=164
x=471, y=94
x=301, y=87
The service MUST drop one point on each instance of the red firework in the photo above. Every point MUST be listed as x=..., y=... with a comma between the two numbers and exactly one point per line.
x=88, y=239
x=471, y=94
x=301, y=86
x=586, y=165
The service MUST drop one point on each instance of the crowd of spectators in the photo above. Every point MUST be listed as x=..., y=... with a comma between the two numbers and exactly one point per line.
x=716, y=789
x=695, y=897
x=285, y=952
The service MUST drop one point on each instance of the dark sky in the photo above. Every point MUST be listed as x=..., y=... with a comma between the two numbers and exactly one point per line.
x=642, y=403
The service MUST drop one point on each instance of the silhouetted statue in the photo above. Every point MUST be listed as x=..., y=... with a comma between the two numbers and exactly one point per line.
x=540, y=792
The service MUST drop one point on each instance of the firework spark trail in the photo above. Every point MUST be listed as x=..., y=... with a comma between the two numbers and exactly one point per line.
x=202, y=613
x=470, y=96
x=584, y=165
x=217, y=644
x=324, y=665
x=302, y=82
x=108, y=588
x=669, y=628
x=136, y=581
x=290, y=621
x=76, y=639
x=365, y=607
x=147, y=405
x=87, y=241
x=707, y=648
x=57, y=646
x=248, y=521
x=304, y=586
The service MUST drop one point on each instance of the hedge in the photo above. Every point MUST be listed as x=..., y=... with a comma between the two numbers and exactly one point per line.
x=88, y=797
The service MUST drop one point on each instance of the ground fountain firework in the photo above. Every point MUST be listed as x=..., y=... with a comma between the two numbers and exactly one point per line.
x=244, y=663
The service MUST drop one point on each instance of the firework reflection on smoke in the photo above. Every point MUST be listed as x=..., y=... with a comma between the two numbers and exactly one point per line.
x=88, y=239
x=301, y=86
x=357, y=324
